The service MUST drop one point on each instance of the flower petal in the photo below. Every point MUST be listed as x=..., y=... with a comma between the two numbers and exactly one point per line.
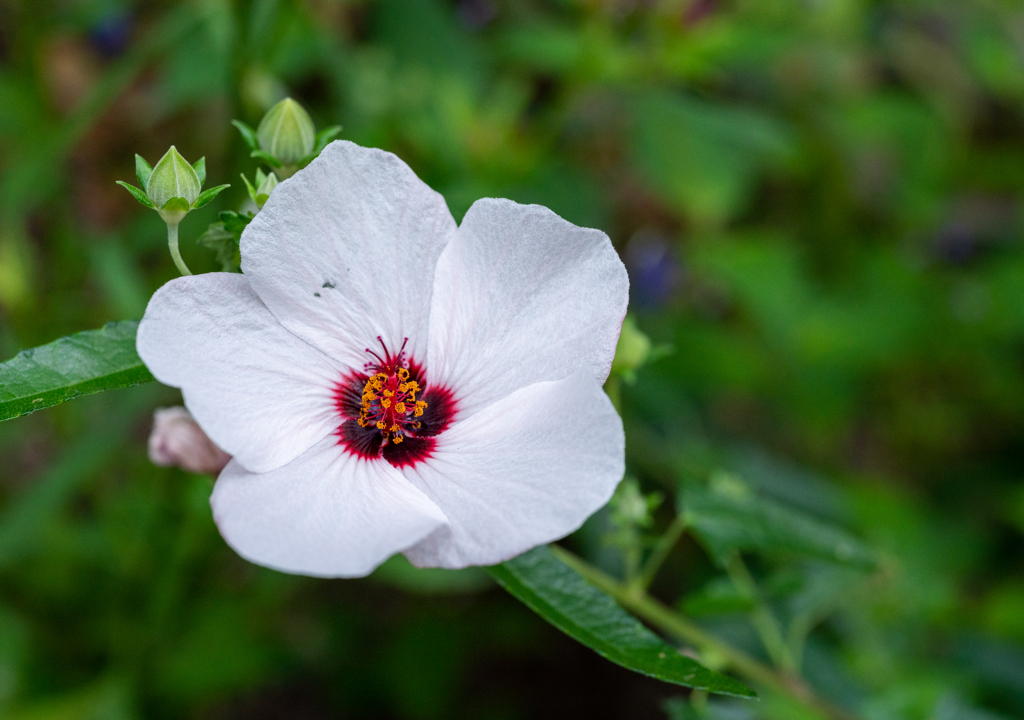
x=522, y=296
x=327, y=513
x=345, y=250
x=258, y=391
x=524, y=471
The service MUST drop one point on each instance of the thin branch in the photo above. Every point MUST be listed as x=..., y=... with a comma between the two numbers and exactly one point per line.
x=664, y=618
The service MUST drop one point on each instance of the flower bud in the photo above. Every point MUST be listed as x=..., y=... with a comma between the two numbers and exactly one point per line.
x=287, y=133
x=178, y=441
x=173, y=177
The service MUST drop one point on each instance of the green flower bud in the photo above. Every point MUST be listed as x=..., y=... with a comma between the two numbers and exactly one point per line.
x=632, y=352
x=287, y=133
x=266, y=187
x=173, y=177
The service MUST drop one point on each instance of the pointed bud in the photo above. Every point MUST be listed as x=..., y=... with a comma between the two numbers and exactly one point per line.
x=286, y=132
x=173, y=177
x=266, y=187
x=177, y=440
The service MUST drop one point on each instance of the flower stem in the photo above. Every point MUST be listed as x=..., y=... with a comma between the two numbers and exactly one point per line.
x=172, y=244
x=662, y=617
x=660, y=553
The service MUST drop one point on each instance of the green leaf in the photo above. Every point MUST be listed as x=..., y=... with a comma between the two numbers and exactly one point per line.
x=565, y=599
x=177, y=203
x=200, y=167
x=209, y=195
x=248, y=134
x=266, y=157
x=137, y=194
x=80, y=364
x=728, y=516
x=142, y=170
x=323, y=137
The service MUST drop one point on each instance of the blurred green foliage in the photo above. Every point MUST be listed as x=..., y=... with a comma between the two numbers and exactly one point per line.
x=820, y=207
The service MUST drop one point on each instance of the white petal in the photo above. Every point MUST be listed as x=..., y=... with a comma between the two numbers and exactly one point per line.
x=345, y=250
x=522, y=296
x=327, y=513
x=258, y=391
x=524, y=471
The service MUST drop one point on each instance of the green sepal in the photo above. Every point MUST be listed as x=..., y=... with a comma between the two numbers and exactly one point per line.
x=137, y=194
x=248, y=134
x=176, y=204
x=249, y=188
x=209, y=195
x=266, y=157
x=200, y=168
x=323, y=137
x=142, y=171
x=223, y=237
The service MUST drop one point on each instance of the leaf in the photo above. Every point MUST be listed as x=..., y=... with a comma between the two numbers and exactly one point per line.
x=208, y=195
x=80, y=364
x=142, y=170
x=266, y=157
x=565, y=599
x=248, y=134
x=728, y=516
x=200, y=168
x=137, y=194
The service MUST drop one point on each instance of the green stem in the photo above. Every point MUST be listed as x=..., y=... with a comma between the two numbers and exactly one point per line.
x=662, y=617
x=763, y=619
x=172, y=244
x=660, y=553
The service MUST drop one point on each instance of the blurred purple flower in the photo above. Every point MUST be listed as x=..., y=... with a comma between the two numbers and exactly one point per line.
x=654, y=272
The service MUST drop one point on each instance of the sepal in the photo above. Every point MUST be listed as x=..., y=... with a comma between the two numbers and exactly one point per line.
x=200, y=167
x=323, y=138
x=142, y=171
x=138, y=194
x=248, y=134
x=208, y=195
x=266, y=157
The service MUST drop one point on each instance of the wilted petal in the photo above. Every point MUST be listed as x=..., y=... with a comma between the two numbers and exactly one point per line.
x=259, y=392
x=327, y=513
x=522, y=296
x=524, y=471
x=346, y=249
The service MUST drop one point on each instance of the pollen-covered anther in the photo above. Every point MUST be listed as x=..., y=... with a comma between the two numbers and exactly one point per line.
x=388, y=400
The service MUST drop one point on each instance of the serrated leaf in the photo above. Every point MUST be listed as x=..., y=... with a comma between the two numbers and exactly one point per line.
x=565, y=599
x=79, y=364
x=200, y=167
x=142, y=170
x=248, y=134
x=266, y=157
x=208, y=195
x=729, y=521
x=137, y=194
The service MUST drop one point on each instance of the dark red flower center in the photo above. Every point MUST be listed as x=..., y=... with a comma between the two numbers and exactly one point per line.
x=390, y=411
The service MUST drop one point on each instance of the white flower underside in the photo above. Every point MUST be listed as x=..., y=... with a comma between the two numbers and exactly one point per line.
x=516, y=313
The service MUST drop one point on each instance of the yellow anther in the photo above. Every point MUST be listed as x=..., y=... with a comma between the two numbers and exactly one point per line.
x=388, y=393
x=399, y=408
x=397, y=438
x=403, y=374
x=385, y=403
x=380, y=424
x=394, y=428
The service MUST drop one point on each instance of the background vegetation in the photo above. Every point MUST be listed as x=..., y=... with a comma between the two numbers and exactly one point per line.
x=819, y=202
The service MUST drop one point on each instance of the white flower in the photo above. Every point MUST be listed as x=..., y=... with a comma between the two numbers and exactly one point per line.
x=176, y=440
x=493, y=339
